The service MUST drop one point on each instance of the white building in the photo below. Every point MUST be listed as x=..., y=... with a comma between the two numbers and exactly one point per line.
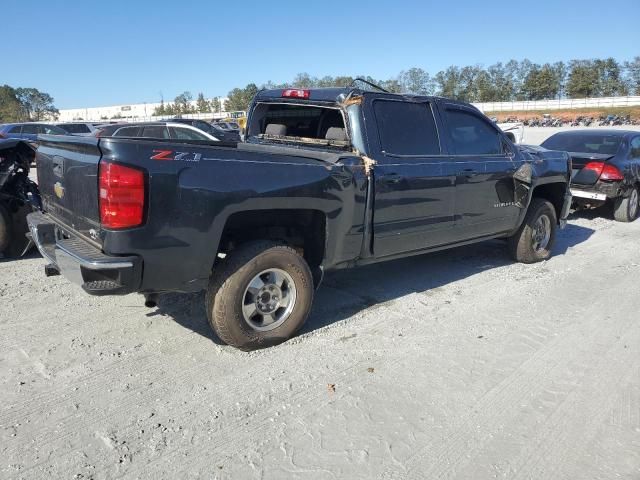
x=137, y=111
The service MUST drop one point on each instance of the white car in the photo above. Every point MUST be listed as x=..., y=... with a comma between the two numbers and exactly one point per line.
x=514, y=130
x=168, y=130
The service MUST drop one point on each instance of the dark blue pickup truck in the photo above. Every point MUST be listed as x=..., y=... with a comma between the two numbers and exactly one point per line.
x=326, y=179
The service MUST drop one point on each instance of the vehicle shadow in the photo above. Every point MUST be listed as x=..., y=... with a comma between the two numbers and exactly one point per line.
x=31, y=254
x=344, y=293
x=604, y=211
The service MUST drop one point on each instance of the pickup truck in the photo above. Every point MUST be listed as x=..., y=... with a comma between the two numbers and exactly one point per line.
x=325, y=179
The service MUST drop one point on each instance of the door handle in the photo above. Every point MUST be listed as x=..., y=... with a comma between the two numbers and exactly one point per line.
x=468, y=172
x=392, y=178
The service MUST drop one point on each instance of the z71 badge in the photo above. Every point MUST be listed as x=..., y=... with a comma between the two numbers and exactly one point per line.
x=170, y=155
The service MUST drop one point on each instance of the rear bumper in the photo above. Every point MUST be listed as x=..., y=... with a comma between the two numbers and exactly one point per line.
x=82, y=263
x=600, y=191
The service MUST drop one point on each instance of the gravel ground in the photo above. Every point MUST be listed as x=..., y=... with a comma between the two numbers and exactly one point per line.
x=459, y=364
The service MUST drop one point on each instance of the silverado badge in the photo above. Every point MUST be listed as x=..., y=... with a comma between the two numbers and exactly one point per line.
x=58, y=189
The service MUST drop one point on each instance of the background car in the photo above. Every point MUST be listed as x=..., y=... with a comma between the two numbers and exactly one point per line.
x=606, y=168
x=168, y=130
x=211, y=129
x=29, y=131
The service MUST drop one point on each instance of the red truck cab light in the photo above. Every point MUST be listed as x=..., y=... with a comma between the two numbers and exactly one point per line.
x=122, y=194
x=605, y=171
x=296, y=93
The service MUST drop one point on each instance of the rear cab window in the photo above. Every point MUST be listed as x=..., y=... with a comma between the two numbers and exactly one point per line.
x=634, y=147
x=597, y=143
x=308, y=124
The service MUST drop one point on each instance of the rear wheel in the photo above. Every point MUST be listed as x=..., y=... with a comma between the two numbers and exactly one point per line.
x=13, y=229
x=626, y=209
x=536, y=236
x=260, y=295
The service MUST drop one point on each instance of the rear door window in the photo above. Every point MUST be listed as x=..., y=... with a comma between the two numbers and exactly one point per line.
x=406, y=128
x=76, y=128
x=472, y=135
x=15, y=129
x=187, y=134
x=51, y=130
x=204, y=126
x=127, y=132
x=30, y=128
x=155, y=131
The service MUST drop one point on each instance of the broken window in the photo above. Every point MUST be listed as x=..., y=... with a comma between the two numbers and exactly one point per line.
x=304, y=123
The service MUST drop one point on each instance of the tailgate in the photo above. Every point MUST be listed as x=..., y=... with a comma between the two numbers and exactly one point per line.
x=68, y=181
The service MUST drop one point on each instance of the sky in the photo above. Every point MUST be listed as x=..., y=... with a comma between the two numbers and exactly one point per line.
x=117, y=52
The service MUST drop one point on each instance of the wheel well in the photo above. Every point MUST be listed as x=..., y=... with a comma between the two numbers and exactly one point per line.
x=553, y=192
x=303, y=230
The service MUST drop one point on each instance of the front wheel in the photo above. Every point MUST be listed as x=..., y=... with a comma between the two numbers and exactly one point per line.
x=534, y=239
x=260, y=295
x=626, y=209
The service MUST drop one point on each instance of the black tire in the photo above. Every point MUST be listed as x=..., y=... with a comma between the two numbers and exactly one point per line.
x=522, y=245
x=626, y=209
x=13, y=230
x=5, y=229
x=227, y=291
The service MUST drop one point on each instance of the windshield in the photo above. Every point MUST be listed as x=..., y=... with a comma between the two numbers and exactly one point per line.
x=605, y=144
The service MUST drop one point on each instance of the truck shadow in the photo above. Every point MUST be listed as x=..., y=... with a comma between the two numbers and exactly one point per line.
x=31, y=253
x=347, y=292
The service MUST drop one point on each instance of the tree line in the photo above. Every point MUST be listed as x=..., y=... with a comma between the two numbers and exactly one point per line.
x=183, y=103
x=500, y=82
x=25, y=105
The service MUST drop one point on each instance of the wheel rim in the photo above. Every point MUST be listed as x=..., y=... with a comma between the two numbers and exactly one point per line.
x=633, y=203
x=269, y=299
x=541, y=233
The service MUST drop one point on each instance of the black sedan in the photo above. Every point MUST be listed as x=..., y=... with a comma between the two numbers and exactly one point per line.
x=606, y=168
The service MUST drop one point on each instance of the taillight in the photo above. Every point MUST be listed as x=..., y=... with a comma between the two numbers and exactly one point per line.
x=611, y=172
x=122, y=196
x=295, y=93
x=604, y=171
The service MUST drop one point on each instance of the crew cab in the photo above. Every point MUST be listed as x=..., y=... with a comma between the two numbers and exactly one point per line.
x=327, y=179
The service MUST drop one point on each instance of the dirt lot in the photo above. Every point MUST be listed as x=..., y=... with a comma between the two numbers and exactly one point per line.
x=453, y=365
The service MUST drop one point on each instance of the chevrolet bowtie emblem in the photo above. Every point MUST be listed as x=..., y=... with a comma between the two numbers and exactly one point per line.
x=59, y=190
